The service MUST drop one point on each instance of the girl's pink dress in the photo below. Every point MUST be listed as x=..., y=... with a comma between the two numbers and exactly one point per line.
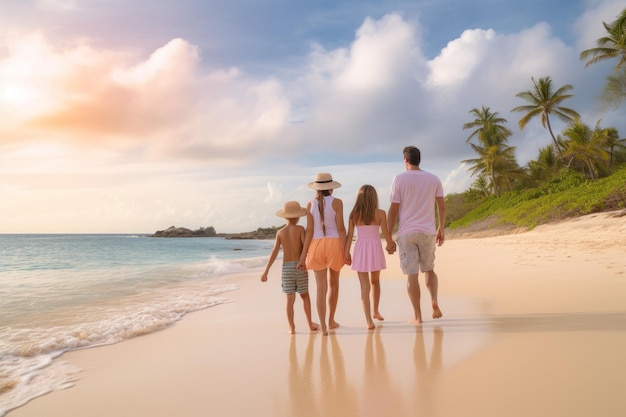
x=368, y=252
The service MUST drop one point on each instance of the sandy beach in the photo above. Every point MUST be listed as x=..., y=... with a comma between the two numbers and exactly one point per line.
x=534, y=325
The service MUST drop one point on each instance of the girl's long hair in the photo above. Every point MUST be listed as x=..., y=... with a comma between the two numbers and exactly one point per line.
x=320, y=206
x=365, y=206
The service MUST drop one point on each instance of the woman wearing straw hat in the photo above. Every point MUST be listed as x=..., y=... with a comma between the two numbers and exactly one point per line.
x=324, y=246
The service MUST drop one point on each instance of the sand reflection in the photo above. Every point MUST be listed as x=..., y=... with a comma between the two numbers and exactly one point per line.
x=337, y=392
x=302, y=396
x=428, y=366
x=379, y=393
x=368, y=380
x=320, y=387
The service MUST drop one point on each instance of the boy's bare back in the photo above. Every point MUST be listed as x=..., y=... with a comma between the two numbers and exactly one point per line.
x=291, y=238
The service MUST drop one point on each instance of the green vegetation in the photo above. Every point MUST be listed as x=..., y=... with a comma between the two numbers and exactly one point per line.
x=543, y=102
x=582, y=170
x=567, y=194
x=495, y=166
x=611, y=46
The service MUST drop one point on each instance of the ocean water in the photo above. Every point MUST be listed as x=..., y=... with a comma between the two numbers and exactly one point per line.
x=65, y=292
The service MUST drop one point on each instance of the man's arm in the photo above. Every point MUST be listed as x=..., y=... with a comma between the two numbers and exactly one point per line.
x=392, y=216
x=441, y=214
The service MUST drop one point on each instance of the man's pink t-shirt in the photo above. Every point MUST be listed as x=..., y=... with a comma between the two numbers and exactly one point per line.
x=415, y=191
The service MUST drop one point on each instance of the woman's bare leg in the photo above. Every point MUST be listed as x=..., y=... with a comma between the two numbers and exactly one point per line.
x=333, y=297
x=322, y=289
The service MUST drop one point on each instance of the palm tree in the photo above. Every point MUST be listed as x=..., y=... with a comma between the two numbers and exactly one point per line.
x=586, y=147
x=481, y=186
x=545, y=102
x=613, y=45
x=545, y=165
x=613, y=142
x=615, y=89
x=496, y=160
x=496, y=164
x=486, y=124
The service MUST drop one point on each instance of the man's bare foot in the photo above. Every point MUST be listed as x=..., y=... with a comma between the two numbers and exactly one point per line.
x=314, y=326
x=377, y=316
x=333, y=325
x=436, y=311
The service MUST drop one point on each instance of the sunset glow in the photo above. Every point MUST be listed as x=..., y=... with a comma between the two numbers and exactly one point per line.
x=204, y=117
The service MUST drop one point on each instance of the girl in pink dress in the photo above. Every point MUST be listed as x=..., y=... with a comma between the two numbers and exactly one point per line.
x=368, y=259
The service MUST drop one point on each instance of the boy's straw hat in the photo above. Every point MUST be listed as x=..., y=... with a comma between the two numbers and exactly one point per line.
x=324, y=181
x=291, y=210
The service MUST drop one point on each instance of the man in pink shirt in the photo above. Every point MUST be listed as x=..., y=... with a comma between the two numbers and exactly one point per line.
x=414, y=195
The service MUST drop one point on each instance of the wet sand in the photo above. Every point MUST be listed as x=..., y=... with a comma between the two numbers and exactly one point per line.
x=534, y=324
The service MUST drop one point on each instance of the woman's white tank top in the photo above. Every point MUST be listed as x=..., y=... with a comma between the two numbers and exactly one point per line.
x=329, y=218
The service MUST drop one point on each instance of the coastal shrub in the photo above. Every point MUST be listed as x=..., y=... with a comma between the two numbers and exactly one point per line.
x=458, y=205
x=566, y=195
x=565, y=179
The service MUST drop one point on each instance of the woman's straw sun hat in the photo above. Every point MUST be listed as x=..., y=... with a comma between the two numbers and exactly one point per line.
x=324, y=181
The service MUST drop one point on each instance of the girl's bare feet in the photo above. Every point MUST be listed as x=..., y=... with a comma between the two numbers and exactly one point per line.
x=377, y=316
x=333, y=325
x=314, y=326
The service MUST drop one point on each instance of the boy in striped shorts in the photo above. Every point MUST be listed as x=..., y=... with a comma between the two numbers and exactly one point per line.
x=291, y=239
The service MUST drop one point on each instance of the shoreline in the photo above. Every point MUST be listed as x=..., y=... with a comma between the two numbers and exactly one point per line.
x=538, y=315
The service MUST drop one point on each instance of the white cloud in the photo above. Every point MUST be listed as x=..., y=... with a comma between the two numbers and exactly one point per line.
x=109, y=140
x=589, y=28
x=274, y=193
x=459, y=59
x=383, y=52
x=458, y=180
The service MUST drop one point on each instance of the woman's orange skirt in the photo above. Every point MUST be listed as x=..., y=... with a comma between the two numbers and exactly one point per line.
x=326, y=252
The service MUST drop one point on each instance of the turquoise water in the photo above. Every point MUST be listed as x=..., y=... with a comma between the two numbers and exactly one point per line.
x=64, y=292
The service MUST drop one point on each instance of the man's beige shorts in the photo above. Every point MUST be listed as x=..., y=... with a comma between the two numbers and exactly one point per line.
x=417, y=251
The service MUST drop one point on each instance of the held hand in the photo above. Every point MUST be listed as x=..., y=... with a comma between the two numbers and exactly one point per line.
x=348, y=259
x=391, y=248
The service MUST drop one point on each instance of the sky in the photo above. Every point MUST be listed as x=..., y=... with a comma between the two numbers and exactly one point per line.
x=131, y=117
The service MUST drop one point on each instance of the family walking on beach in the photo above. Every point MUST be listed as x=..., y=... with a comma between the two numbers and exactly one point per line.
x=324, y=246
